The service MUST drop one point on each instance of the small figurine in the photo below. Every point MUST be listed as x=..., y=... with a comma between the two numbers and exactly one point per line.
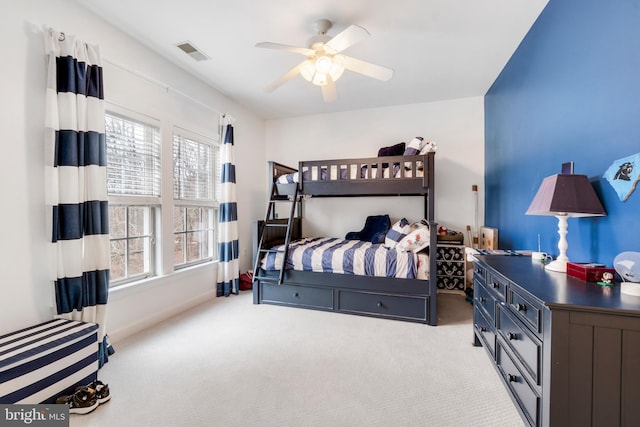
x=607, y=279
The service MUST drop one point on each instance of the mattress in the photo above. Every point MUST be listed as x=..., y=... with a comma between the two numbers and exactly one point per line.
x=41, y=362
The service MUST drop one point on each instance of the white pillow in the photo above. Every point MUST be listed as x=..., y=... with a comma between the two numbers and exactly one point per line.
x=397, y=233
x=416, y=240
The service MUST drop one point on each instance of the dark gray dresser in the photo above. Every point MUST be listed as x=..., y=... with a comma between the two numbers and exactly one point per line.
x=567, y=351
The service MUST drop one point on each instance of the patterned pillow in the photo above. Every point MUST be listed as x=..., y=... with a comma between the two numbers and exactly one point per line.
x=416, y=240
x=397, y=233
x=414, y=147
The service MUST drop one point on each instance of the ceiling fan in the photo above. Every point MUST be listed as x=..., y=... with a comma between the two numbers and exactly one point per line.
x=325, y=63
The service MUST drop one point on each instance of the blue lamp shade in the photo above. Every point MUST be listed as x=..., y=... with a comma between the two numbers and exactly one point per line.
x=566, y=194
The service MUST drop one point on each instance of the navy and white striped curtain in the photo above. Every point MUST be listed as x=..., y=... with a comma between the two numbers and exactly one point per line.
x=228, y=269
x=76, y=179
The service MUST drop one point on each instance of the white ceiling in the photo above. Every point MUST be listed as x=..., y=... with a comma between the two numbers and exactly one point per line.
x=438, y=49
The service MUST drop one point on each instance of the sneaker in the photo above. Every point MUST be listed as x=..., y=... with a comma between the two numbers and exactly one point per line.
x=83, y=401
x=101, y=390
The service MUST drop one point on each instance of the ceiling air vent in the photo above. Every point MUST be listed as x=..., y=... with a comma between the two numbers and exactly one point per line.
x=188, y=48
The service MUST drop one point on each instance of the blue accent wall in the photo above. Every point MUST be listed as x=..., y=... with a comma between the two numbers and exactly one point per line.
x=570, y=92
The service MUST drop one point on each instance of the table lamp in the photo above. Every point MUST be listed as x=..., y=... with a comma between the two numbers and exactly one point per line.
x=564, y=196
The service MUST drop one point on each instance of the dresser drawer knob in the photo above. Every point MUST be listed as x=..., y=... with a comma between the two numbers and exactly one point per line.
x=495, y=285
x=512, y=336
x=296, y=295
x=481, y=299
x=512, y=378
x=379, y=304
x=521, y=307
x=483, y=329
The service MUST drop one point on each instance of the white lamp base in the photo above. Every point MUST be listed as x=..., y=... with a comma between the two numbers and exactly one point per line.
x=557, y=265
x=630, y=288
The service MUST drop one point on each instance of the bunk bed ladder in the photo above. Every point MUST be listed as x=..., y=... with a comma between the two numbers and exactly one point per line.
x=271, y=221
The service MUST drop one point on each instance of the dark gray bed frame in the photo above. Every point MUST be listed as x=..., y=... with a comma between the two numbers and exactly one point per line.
x=401, y=299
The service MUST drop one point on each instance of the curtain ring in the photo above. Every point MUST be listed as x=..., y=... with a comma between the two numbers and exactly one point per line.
x=61, y=37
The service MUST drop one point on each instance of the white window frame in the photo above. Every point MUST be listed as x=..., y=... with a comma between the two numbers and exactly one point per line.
x=151, y=202
x=210, y=203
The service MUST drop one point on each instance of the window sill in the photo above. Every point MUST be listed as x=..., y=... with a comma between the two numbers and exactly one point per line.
x=126, y=288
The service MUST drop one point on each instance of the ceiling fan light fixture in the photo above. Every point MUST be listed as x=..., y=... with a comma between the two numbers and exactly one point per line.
x=307, y=70
x=323, y=64
x=337, y=67
x=319, y=79
x=317, y=70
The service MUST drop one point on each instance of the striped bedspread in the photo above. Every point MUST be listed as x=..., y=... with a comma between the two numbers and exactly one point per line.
x=333, y=255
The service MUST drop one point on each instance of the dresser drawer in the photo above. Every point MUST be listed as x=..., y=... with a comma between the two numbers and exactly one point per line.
x=526, y=310
x=485, y=300
x=528, y=400
x=526, y=346
x=479, y=272
x=497, y=284
x=385, y=305
x=450, y=253
x=446, y=268
x=297, y=295
x=485, y=331
x=451, y=282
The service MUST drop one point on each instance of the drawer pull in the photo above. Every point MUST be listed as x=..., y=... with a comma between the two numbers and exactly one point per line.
x=512, y=378
x=296, y=295
x=483, y=329
x=482, y=300
x=379, y=304
x=512, y=336
x=495, y=285
x=521, y=307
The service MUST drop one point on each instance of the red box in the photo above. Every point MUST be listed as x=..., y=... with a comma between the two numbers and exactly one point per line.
x=588, y=271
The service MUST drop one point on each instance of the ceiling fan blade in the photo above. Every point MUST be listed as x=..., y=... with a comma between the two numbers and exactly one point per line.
x=284, y=78
x=352, y=35
x=329, y=90
x=367, y=68
x=295, y=49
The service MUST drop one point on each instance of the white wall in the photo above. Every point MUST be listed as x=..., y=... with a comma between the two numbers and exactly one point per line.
x=25, y=292
x=457, y=126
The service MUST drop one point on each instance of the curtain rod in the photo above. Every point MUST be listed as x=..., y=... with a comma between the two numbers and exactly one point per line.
x=165, y=86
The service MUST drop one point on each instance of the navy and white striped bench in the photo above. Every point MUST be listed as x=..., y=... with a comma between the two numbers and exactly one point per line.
x=44, y=361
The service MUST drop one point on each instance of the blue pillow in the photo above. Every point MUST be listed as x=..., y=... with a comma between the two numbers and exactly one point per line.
x=374, y=231
x=394, y=150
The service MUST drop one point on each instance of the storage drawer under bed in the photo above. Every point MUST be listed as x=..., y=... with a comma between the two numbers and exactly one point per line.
x=403, y=307
x=302, y=296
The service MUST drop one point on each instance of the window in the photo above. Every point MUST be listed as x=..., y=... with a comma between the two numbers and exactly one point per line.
x=195, y=173
x=193, y=234
x=131, y=236
x=133, y=184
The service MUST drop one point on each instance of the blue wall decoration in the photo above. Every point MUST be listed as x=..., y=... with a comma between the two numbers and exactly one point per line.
x=623, y=175
x=570, y=92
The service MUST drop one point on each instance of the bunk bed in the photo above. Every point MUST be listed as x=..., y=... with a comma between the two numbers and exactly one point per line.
x=408, y=299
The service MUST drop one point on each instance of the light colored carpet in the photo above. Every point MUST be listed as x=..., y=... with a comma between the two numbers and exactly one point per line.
x=232, y=363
